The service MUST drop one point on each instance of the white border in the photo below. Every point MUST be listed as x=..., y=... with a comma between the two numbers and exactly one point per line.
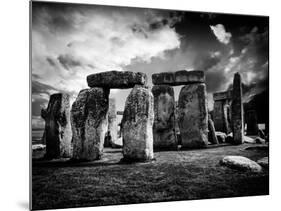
x=14, y=105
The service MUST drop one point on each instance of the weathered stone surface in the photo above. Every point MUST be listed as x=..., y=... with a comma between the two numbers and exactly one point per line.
x=57, y=132
x=264, y=162
x=137, y=123
x=237, y=111
x=112, y=123
x=222, y=95
x=252, y=123
x=221, y=137
x=164, y=135
x=212, y=132
x=241, y=163
x=259, y=140
x=249, y=140
x=221, y=116
x=193, y=116
x=89, y=123
x=182, y=77
x=116, y=79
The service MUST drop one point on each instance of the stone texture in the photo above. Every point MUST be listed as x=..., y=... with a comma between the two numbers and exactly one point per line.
x=137, y=124
x=237, y=111
x=252, y=123
x=193, y=116
x=116, y=79
x=221, y=137
x=249, y=140
x=241, y=163
x=112, y=124
x=181, y=77
x=218, y=96
x=57, y=132
x=89, y=123
x=164, y=135
x=264, y=162
x=221, y=116
x=212, y=132
x=260, y=140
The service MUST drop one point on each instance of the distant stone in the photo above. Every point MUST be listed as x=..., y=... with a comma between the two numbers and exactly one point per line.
x=164, y=135
x=237, y=111
x=57, y=132
x=212, y=133
x=193, y=116
x=112, y=123
x=264, y=162
x=222, y=95
x=182, y=77
x=89, y=123
x=38, y=147
x=116, y=79
x=259, y=140
x=249, y=140
x=241, y=163
x=137, y=124
x=221, y=137
x=252, y=122
x=229, y=138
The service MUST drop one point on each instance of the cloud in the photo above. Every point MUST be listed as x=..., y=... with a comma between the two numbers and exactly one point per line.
x=221, y=34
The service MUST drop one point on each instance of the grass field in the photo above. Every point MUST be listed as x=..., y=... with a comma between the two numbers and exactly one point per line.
x=175, y=175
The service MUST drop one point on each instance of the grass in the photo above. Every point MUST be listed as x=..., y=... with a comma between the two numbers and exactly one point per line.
x=175, y=175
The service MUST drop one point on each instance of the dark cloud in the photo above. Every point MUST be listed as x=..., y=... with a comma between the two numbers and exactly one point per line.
x=51, y=61
x=68, y=61
x=215, y=80
x=39, y=88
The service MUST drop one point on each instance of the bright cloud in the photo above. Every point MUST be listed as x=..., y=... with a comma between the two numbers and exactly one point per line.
x=221, y=34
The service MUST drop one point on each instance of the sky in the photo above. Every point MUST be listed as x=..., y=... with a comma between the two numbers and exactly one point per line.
x=71, y=41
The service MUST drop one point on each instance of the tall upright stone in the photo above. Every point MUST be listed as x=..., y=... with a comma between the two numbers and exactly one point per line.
x=57, y=132
x=112, y=123
x=252, y=123
x=211, y=131
x=221, y=111
x=237, y=111
x=193, y=116
x=164, y=136
x=137, y=123
x=89, y=123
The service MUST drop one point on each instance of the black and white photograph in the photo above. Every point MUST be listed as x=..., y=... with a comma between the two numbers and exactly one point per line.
x=137, y=105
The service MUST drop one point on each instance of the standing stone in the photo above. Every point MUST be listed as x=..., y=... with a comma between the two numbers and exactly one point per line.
x=212, y=132
x=193, y=116
x=221, y=111
x=164, y=117
x=112, y=123
x=89, y=123
x=57, y=132
x=237, y=111
x=137, y=123
x=252, y=123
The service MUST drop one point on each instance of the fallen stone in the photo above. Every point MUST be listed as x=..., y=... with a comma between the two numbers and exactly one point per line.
x=237, y=111
x=258, y=147
x=164, y=136
x=182, y=77
x=193, y=116
x=212, y=132
x=220, y=136
x=249, y=140
x=137, y=125
x=38, y=147
x=89, y=123
x=116, y=79
x=241, y=163
x=259, y=140
x=264, y=162
x=57, y=132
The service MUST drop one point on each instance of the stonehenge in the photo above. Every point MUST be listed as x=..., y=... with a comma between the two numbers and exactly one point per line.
x=152, y=118
x=193, y=116
x=222, y=111
x=237, y=111
x=57, y=133
x=164, y=135
x=89, y=123
x=137, y=123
